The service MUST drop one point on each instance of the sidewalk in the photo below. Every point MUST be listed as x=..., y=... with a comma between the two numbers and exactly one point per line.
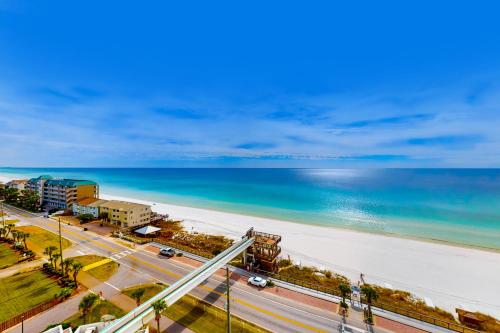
x=25, y=266
x=386, y=320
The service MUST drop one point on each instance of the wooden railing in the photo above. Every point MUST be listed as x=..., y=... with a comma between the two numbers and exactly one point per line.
x=28, y=314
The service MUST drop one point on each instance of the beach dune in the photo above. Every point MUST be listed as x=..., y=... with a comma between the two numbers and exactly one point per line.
x=448, y=276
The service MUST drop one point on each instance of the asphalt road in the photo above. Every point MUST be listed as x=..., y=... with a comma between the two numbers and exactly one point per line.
x=270, y=311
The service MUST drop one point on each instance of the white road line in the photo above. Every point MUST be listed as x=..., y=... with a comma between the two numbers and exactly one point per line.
x=213, y=277
x=109, y=284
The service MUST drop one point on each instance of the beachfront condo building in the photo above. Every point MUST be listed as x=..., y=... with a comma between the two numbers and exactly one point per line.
x=18, y=184
x=62, y=193
x=37, y=184
x=88, y=206
x=126, y=214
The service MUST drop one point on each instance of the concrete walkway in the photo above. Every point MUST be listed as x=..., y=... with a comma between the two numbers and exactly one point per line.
x=110, y=291
x=25, y=266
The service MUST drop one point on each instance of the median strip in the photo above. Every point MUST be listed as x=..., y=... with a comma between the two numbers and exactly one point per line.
x=96, y=264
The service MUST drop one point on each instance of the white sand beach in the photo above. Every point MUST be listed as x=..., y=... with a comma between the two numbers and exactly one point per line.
x=445, y=275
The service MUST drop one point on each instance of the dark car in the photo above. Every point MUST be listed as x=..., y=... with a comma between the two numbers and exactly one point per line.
x=168, y=251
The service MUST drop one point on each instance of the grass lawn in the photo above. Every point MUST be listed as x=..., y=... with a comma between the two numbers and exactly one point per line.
x=21, y=292
x=8, y=256
x=126, y=243
x=150, y=290
x=191, y=313
x=101, y=308
x=13, y=221
x=40, y=238
x=103, y=272
x=69, y=219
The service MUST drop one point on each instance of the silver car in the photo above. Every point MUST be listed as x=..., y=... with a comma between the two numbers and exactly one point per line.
x=257, y=281
x=168, y=251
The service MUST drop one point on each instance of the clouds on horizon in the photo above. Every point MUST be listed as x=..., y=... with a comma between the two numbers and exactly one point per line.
x=69, y=127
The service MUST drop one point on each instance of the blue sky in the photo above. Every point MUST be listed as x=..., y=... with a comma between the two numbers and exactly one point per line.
x=255, y=84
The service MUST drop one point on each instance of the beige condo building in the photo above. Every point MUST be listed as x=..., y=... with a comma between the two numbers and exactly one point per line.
x=126, y=214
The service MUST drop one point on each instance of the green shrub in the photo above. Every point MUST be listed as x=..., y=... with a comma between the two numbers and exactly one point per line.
x=85, y=218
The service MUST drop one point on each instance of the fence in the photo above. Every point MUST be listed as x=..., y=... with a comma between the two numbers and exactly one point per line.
x=387, y=307
x=28, y=314
x=425, y=318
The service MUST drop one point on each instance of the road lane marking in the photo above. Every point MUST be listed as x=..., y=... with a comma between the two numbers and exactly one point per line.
x=175, y=275
x=109, y=284
x=280, y=317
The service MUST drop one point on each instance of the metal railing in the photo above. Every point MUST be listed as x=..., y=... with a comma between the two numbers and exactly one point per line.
x=453, y=326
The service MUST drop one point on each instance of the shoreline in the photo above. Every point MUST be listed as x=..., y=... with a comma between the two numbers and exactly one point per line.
x=445, y=274
x=136, y=196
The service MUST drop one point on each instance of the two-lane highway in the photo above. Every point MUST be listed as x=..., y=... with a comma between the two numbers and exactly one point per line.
x=271, y=311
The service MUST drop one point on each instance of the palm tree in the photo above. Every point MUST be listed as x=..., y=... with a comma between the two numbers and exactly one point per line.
x=371, y=295
x=11, y=195
x=49, y=250
x=66, y=264
x=55, y=256
x=25, y=235
x=344, y=291
x=14, y=234
x=76, y=266
x=8, y=229
x=137, y=295
x=159, y=306
x=86, y=305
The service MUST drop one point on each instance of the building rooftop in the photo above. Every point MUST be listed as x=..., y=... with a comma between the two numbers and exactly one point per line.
x=123, y=205
x=91, y=202
x=18, y=181
x=69, y=182
x=44, y=177
x=149, y=229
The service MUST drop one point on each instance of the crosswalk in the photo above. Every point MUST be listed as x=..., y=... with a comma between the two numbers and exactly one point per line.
x=122, y=254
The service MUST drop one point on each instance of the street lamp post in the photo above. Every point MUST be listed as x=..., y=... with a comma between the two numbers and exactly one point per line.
x=60, y=246
x=3, y=217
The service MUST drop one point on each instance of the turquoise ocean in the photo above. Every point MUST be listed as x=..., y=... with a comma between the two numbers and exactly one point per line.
x=460, y=206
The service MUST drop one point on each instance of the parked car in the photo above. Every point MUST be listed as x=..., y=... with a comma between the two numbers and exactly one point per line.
x=257, y=281
x=168, y=251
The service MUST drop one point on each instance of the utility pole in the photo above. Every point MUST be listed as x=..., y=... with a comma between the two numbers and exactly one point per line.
x=227, y=302
x=60, y=246
x=3, y=217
